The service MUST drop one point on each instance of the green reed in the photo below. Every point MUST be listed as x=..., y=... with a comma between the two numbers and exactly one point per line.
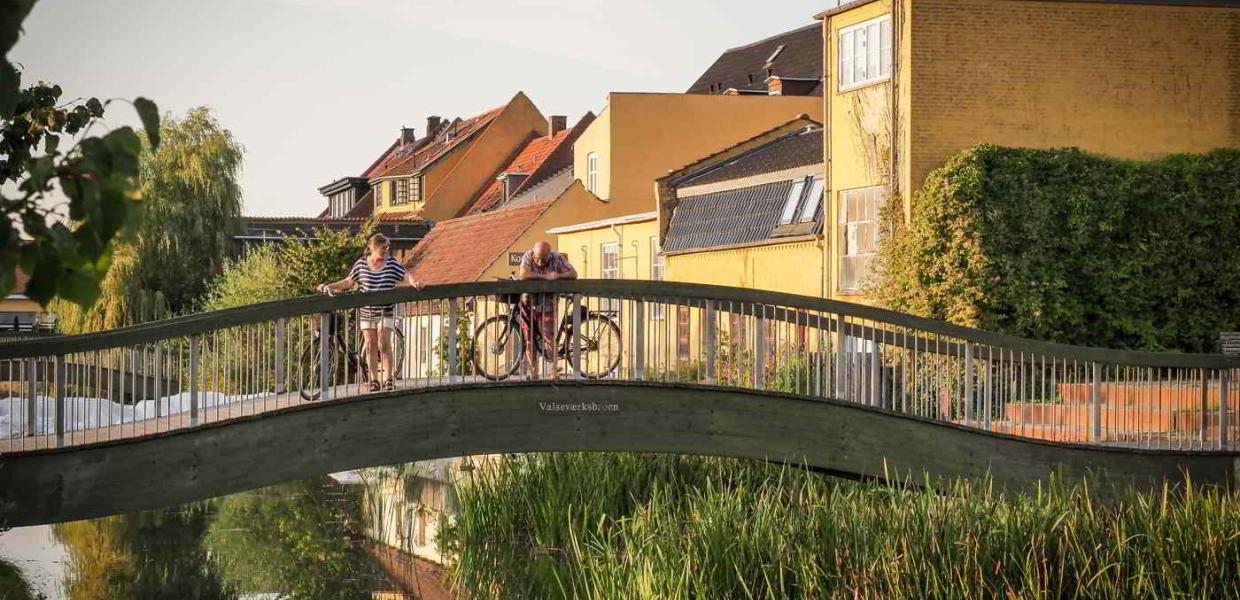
x=638, y=526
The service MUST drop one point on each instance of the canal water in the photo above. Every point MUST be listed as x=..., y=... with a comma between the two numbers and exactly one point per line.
x=366, y=534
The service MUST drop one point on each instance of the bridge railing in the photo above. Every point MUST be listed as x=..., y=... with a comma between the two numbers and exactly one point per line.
x=182, y=372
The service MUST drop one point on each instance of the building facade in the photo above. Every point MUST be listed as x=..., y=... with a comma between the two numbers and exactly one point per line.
x=909, y=83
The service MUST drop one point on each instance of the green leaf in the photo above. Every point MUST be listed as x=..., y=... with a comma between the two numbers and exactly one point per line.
x=149, y=113
x=51, y=143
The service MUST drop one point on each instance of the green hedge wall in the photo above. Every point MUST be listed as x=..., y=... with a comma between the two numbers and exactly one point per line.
x=1068, y=246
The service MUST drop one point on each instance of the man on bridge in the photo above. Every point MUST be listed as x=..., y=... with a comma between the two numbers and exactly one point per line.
x=542, y=263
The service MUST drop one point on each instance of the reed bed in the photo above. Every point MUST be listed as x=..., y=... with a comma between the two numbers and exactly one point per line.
x=639, y=526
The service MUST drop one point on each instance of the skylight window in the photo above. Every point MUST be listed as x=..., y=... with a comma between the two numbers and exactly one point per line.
x=793, y=202
x=803, y=201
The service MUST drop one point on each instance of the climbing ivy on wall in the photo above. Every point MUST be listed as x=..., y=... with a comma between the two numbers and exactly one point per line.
x=1073, y=247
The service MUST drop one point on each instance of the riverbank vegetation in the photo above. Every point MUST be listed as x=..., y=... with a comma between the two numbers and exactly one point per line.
x=629, y=526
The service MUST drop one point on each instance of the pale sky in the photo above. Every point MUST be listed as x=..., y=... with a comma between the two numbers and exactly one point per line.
x=316, y=89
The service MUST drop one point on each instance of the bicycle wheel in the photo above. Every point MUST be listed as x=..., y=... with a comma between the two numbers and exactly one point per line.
x=499, y=348
x=601, y=345
x=308, y=381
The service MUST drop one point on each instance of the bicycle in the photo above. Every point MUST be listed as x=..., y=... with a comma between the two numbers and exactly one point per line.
x=500, y=338
x=309, y=384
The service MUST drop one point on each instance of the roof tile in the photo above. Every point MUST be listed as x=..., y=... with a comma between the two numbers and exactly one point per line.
x=744, y=68
x=460, y=250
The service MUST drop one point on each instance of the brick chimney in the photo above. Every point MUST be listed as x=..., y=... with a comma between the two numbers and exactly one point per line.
x=407, y=136
x=432, y=125
x=556, y=124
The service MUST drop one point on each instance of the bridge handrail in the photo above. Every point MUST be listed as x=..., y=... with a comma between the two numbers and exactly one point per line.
x=673, y=292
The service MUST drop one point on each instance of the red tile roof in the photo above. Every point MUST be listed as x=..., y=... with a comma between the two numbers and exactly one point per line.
x=415, y=158
x=403, y=215
x=527, y=161
x=460, y=250
x=539, y=159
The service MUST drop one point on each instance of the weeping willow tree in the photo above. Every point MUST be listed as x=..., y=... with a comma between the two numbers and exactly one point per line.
x=191, y=210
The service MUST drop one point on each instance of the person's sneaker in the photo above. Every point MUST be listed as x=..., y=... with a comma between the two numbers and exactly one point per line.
x=389, y=385
x=374, y=386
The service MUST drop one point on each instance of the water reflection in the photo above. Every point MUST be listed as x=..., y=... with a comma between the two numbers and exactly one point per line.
x=369, y=534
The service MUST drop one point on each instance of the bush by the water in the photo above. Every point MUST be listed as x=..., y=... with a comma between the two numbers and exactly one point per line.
x=1073, y=247
x=629, y=526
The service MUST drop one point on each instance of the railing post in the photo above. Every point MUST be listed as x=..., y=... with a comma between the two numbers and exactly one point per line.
x=281, y=325
x=759, y=358
x=193, y=380
x=968, y=382
x=575, y=355
x=709, y=335
x=876, y=372
x=988, y=394
x=1203, y=434
x=453, y=350
x=157, y=374
x=841, y=359
x=32, y=407
x=325, y=336
x=60, y=399
x=639, y=339
x=1095, y=413
x=1223, y=421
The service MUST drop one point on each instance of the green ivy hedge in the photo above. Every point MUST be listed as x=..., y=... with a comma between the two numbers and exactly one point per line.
x=1073, y=247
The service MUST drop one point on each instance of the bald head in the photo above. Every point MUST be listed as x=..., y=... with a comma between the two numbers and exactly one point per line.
x=542, y=251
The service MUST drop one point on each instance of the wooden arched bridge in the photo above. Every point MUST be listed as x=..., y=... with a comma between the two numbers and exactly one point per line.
x=231, y=400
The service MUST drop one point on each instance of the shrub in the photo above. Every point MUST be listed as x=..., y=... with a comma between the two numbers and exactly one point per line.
x=1073, y=247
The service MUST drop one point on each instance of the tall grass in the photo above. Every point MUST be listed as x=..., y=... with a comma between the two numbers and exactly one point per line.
x=628, y=526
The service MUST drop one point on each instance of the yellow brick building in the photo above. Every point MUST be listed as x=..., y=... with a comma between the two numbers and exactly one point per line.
x=909, y=83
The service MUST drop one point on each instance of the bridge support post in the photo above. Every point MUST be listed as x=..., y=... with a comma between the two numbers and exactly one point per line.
x=32, y=386
x=453, y=350
x=709, y=337
x=60, y=400
x=639, y=339
x=281, y=325
x=575, y=355
x=1095, y=395
x=968, y=383
x=1223, y=421
x=759, y=358
x=325, y=336
x=193, y=380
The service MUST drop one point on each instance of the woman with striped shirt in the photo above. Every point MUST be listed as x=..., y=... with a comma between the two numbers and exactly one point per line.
x=376, y=271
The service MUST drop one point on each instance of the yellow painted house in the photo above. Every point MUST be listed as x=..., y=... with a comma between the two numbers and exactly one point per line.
x=909, y=83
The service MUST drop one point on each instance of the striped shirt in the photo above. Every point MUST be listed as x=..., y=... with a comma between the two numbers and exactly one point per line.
x=375, y=280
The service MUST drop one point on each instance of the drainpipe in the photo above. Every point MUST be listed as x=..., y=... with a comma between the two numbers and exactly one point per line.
x=829, y=215
x=620, y=246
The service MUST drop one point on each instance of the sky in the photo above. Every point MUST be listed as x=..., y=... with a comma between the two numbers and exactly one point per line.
x=315, y=90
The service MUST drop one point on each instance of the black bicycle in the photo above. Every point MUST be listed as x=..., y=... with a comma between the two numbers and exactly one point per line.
x=342, y=359
x=499, y=341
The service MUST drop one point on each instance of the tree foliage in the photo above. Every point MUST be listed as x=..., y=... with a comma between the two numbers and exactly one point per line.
x=286, y=268
x=293, y=539
x=1068, y=246
x=192, y=207
x=156, y=554
x=98, y=175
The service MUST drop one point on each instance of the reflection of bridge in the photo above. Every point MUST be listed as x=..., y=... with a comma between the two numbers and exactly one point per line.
x=702, y=370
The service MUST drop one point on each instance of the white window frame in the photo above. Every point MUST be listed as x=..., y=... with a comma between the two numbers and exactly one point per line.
x=592, y=173
x=877, y=54
x=658, y=311
x=613, y=272
x=852, y=228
